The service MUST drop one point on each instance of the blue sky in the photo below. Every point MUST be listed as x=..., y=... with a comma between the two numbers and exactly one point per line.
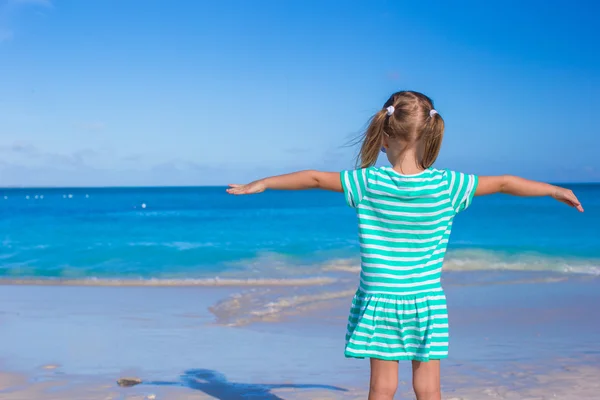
x=114, y=92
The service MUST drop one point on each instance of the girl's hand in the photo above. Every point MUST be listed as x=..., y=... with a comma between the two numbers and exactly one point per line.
x=568, y=197
x=250, y=188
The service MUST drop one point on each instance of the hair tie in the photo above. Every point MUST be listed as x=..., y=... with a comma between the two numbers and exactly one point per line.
x=390, y=110
x=432, y=113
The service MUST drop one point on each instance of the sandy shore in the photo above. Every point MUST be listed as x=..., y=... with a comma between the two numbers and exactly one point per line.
x=572, y=384
x=509, y=341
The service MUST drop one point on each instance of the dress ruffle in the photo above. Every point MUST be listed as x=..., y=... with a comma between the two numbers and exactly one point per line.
x=396, y=327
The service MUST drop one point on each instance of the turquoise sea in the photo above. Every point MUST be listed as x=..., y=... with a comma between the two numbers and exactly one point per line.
x=185, y=234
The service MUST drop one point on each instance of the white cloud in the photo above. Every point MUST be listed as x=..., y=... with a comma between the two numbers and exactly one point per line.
x=65, y=174
x=23, y=164
x=27, y=153
x=18, y=148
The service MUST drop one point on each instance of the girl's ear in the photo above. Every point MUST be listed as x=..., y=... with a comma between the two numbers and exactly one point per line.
x=384, y=144
x=385, y=141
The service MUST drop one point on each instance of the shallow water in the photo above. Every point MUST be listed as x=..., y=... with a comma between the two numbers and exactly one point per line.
x=202, y=233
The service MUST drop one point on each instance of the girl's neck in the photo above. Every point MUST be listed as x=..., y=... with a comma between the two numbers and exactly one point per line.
x=407, y=163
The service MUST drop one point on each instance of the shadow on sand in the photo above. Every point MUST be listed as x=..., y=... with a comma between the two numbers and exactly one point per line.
x=215, y=384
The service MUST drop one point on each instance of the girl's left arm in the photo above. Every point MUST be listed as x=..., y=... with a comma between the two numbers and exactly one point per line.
x=294, y=181
x=517, y=186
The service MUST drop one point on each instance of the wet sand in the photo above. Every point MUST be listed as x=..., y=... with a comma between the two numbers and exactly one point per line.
x=522, y=339
x=572, y=384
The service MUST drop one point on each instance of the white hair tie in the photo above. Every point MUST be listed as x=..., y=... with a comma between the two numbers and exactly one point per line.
x=432, y=113
x=390, y=110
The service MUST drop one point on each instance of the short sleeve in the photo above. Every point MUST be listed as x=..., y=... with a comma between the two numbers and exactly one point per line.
x=355, y=185
x=462, y=188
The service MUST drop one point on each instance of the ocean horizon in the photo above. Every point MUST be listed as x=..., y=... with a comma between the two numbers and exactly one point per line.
x=222, y=186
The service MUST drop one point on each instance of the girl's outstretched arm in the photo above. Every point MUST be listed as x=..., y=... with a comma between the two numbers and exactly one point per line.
x=294, y=181
x=523, y=187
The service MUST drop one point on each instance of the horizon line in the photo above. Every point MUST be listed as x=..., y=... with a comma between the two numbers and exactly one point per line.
x=195, y=186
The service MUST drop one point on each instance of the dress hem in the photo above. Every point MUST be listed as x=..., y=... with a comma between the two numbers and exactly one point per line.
x=397, y=358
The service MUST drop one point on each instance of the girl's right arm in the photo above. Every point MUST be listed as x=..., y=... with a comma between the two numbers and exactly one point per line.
x=516, y=186
x=294, y=181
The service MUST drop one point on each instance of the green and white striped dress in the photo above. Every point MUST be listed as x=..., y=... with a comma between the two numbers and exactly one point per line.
x=404, y=222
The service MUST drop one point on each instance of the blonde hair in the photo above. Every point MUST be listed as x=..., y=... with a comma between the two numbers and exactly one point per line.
x=411, y=122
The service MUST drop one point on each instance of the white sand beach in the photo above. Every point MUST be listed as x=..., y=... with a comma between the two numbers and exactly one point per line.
x=69, y=342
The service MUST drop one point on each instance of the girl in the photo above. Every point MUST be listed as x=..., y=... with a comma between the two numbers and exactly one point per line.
x=405, y=215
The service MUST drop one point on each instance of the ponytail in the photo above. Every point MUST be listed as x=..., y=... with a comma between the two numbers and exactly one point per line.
x=433, y=133
x=372, y=140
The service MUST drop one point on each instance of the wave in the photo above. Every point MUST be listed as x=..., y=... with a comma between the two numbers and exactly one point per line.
x=270, y=269
x=203, y=282
x=247, y=308
x=274, y=286
x=272, y=306
x=488, y=260
x=174, y=245
x=482, y=260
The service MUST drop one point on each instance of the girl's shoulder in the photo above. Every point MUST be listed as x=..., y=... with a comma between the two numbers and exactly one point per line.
x=443, y=179
x=428, y=174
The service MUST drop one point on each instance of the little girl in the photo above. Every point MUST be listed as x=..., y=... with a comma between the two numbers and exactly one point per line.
x=405, y=215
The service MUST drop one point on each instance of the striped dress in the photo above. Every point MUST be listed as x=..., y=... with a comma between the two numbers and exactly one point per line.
x=399, y=310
